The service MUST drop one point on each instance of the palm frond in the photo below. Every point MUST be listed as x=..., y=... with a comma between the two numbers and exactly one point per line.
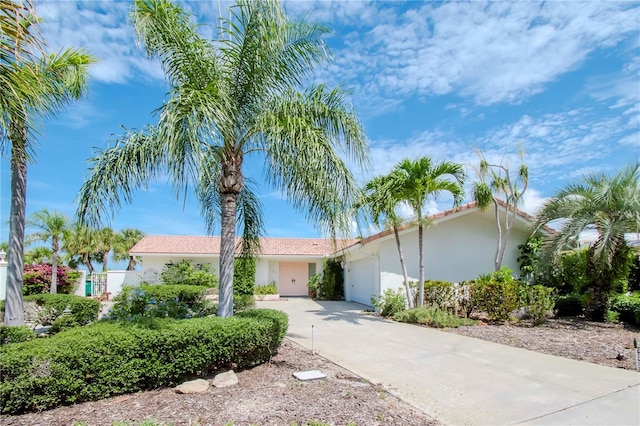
x=117, y=172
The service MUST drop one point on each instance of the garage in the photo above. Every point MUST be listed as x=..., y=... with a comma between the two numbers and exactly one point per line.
x=362, y=280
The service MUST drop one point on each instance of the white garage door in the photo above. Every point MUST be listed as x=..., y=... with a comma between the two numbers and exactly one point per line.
x=362, y=274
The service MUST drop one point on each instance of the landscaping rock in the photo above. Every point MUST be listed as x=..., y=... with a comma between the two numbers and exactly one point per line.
x=223, y=380
x=193, y=386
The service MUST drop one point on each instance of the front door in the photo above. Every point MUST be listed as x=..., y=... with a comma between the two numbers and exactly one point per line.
x=293, y=278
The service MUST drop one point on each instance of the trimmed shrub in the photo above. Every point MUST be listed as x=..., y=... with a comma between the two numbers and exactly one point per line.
x=569, y=305
x=496, y=294
x=63, y=323
x=15, y=334
x=186, y=273
x=112, y=358
x=244, y=275
x=628, y=307
x=433, y=317
x=160, y=301
x=390, y=302
x=440, y=294
x=243, y=302
x=270, y=288
x=539, y=301
x=83, y=310
x=278, y=321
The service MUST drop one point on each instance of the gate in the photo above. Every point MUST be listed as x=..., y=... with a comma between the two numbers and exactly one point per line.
x=98, y=283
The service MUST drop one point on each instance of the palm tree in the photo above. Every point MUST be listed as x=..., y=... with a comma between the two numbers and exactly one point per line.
x=31, y=88
x=416, y=181
x=38, y=255
x=608, y=205
x=230, y=98
x=123, y=242
x=380, y=201
x=52, y=226
x=105, y=238
x=81, y=246
x=496, y=186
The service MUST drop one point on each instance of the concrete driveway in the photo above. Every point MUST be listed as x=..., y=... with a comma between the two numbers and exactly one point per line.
x=462, y=380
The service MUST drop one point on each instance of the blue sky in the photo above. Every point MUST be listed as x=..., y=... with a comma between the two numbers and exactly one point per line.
x=558, y=79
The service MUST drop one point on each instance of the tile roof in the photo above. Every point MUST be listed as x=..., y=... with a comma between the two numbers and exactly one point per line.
x=176, y=244
x=199, y=245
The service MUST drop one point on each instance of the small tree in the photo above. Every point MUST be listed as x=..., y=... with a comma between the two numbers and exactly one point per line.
x=418, y=180
x=51, y=228
x=39, y=278
x=498, y=187
x=609, y=205
x=529, y=259
x=123, y=241
x=379, y=203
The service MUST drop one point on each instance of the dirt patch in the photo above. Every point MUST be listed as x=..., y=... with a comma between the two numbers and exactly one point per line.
x=266, y=395
x=609, y=344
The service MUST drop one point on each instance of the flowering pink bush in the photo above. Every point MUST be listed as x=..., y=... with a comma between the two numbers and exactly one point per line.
x=37, y=279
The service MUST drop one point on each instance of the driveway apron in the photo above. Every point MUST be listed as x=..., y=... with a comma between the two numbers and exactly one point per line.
x=462, y=380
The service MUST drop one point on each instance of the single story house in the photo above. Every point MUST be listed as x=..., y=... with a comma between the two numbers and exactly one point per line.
x=289, y=262
x=459, y=245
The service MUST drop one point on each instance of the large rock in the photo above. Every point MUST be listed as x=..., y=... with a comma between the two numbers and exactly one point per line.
x=223, y=380
x=193, y=386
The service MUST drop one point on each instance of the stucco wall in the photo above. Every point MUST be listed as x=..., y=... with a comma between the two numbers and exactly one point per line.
x=158, y=262
x=116, y=280
x=267, y=268
x=456, y=249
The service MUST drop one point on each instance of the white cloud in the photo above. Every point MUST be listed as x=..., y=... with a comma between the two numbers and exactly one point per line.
x=387, y=51
x=532, y=201
x=490, y=52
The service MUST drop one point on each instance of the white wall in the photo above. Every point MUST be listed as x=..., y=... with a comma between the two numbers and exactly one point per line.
x=457, y=249
x=267, y=267
x=116, y=280
x=262, y=272
x=158, y=262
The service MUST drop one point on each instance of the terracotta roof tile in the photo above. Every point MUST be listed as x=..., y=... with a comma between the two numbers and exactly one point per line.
x=175, y=244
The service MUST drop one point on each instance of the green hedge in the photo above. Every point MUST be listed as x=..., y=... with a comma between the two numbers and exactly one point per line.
x=569, y=305
x=628, y=307
x=111, y=358
x=192, y=295
x=433, y=317
x=83, y=309
x=16, y=334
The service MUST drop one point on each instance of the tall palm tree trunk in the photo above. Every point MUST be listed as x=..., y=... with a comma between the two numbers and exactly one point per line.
x=14, y=306
x=404, y=268
x=227, y=254
x=54, y=273
x=231, y=184
x=421, y=257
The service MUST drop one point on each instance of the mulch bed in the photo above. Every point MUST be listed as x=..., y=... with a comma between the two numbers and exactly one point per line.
x=609, y=344
x=266, y=395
